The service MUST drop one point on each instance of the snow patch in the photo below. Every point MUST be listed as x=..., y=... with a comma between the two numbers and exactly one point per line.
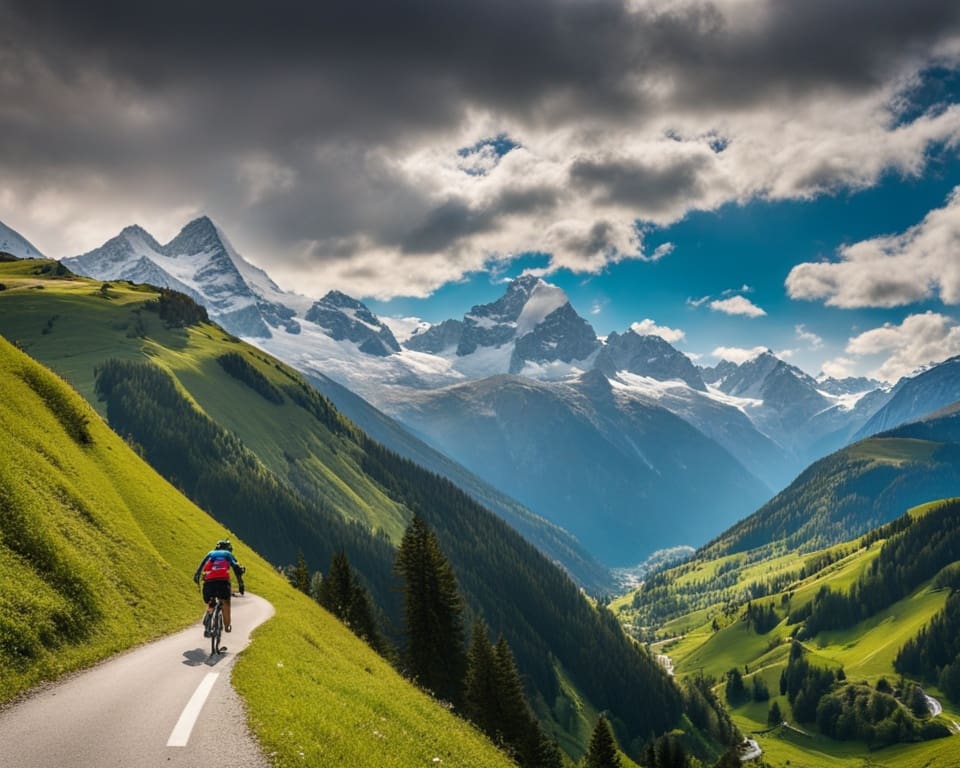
x=404, y=328
x=843, y=402
x=555, y=370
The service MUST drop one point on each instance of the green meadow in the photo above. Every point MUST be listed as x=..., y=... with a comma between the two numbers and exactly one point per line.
x=97, y=554
x=73, y=324
x=717, y=638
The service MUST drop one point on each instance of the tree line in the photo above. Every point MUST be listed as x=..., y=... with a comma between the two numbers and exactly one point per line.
x=913, y=554
x=540, y=612
x=934, y=654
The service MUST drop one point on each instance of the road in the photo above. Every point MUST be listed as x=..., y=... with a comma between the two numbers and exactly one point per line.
x=133, y=709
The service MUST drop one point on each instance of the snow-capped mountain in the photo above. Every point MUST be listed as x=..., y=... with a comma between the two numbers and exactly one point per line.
x=916, y=397
x=792, y=408
x=848, y=386
x=200, y=262
x=533, y=325
x=611, y=468
x=647, y=356
x=502, y=388
x=15, y=244
x=345, y=318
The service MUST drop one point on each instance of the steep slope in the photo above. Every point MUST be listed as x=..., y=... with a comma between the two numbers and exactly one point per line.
x=612, y=470
x=96, y=554
x=556, y=543
x=15, y=244
x=855, y=489
x=200, y=380
x=913, y=398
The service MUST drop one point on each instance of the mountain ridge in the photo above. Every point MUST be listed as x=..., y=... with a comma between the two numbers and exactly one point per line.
x=533, y=330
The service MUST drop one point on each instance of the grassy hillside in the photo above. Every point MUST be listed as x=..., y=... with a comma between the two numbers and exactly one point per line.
x=849, y=492
x=240, y=430
x=97, y=553
x=73, y=324
x=720, y=634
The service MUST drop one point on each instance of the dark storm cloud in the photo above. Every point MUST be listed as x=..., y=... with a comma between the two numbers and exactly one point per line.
x=445, y=224
x=653, y=189
x=381, y=65
x=283, y=119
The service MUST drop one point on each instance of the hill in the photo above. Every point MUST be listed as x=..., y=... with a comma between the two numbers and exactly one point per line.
x=853, y=490
x=245, y=436
x=756, y=622
x=96, y=555
x=317, y=463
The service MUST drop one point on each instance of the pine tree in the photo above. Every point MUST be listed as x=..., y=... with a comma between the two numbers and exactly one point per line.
x=521, y=731
x=774, y=716
x=300, y=576
x=480, y=694
x=495, y=702
x=360, y=618
x=433, y=612
x=336, y=591
x=603, y=748
x=344, y=596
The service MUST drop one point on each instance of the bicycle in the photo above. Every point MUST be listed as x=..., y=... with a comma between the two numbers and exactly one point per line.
x=213, y=625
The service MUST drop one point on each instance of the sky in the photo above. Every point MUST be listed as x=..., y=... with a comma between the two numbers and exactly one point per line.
x=732, y=175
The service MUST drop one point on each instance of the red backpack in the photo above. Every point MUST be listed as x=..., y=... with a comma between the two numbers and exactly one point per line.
x=216, y=569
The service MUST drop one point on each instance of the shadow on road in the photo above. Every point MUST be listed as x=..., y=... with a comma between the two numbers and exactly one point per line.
x=197, y=657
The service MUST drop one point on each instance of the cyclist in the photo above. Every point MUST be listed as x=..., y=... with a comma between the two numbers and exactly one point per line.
x=215, y=569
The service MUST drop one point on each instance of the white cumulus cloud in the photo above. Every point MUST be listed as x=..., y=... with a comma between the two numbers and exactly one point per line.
x=737, y=355
x=737, y=305
x=889, y=271
x=916, y=342
x=648, y=327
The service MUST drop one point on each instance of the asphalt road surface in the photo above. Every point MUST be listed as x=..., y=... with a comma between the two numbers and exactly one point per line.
x=168, y=703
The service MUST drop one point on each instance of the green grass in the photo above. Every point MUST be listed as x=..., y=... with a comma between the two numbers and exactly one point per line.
x=71, y=326
x=893, y=450
x=865, y=651
x=97, y=554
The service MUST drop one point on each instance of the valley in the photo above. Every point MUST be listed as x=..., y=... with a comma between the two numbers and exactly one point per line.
x=529, y=376
x=729, y=606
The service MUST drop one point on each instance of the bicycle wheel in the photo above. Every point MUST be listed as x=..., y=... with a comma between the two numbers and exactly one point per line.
x=216, y=627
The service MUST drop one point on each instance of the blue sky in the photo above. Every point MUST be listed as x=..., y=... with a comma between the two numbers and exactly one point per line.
x=718, y=254
x=735, y=174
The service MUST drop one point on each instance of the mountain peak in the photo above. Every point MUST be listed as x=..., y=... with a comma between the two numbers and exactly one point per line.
x=525, y=283
x=340, y=300
x=344, y=318
x=647, y=355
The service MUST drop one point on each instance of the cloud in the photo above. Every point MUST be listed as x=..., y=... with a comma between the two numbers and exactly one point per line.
x=738, y=355
x=664, y=249
x=918, y=341
x=890, y=271
x=840, y=368
x=328, y=139
x=648, y=327
x=808, y=337
x=692, y=302
x=737, y=305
